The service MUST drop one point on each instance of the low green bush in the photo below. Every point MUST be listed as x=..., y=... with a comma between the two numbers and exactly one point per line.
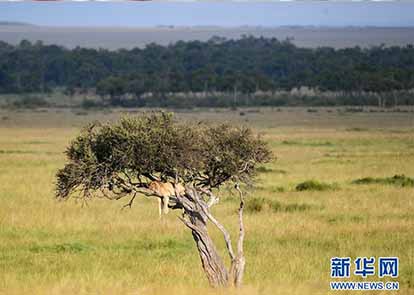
x=397, y=180
x=263, y=169
x=314, y=185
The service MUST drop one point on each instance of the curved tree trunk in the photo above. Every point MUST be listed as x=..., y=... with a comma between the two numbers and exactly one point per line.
x=198, y=214
x=211, y=262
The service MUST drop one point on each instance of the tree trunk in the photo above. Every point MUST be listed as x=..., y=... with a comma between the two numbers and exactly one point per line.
x=211, y=261
x=198, y=213
x=239, y=262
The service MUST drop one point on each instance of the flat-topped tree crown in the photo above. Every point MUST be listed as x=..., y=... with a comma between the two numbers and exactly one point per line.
x=115, y=159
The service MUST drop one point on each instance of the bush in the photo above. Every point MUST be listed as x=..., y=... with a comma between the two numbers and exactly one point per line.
x=356, y=129
x=314, y=185
x=397, y=180
x=263, y=169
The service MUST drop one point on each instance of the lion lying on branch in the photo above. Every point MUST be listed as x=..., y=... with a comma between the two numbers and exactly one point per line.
x=165, y=190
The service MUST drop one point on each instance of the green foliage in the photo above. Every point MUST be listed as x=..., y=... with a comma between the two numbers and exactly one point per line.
x=263, y=169
x=356, y=129
x=397, y=180
x=115, y=159
x=235, y=68
x=314, y=185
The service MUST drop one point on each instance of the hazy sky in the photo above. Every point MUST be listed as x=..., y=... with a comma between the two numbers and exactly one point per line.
x=399, y=13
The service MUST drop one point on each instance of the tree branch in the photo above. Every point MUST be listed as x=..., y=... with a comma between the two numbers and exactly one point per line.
x=223, y=230
x=241, y=224
x=240, y=261
x=129, y=204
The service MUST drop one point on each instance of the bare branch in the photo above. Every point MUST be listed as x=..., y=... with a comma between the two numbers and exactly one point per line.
x=241, y=224
x=223, y=230
x=129, y=204
x=239, y=264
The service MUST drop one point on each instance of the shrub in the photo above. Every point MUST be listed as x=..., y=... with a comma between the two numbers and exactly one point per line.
x=397, y=180
x=356, y=129
x=314, y=185
x=263, y=169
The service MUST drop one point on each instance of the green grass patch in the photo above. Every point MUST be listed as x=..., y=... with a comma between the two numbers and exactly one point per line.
x=75, y=247
x=152, y=245
x=356, y=129
x=22, y=152
x=256, y=205
x=397, y=180
x=278, y=189
x=314, y=185
x=308, y=143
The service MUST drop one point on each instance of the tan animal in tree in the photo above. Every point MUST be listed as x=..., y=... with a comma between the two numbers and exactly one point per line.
x=164, y=190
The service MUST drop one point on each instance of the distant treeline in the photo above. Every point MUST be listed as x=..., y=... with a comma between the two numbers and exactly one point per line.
x=236, y=69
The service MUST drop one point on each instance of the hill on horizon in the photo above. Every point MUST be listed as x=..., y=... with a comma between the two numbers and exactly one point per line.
x=129, y=37
x=14, y=23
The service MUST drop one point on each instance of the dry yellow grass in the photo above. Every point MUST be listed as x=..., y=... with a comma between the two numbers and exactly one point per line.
x=49, y=247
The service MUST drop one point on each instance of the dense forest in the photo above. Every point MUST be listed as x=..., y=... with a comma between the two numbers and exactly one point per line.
x=219, y=69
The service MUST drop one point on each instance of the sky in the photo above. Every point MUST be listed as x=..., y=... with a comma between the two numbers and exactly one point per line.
x=223, y=13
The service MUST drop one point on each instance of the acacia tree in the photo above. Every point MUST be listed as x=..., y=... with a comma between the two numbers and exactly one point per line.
x=121, y=159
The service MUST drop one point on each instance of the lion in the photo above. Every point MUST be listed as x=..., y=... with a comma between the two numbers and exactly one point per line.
x=164, y=190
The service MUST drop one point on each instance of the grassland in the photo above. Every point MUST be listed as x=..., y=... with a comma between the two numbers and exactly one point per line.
x=50, y=247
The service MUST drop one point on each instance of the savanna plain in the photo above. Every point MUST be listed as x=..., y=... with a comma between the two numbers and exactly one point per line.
x=69, y=247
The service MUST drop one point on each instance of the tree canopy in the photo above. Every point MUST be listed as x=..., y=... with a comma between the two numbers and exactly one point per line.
x=114, y=160
x=247, y=64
